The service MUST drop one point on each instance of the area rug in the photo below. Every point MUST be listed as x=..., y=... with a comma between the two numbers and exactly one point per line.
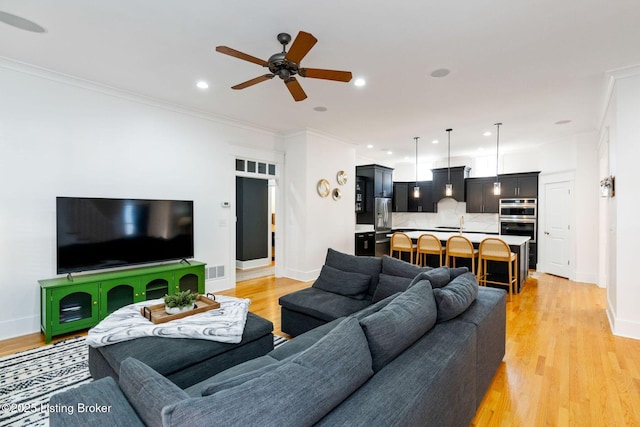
x=29, y=378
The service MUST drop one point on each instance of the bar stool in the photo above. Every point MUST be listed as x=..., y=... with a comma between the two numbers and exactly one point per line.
x=428, y=244
x=493, y=249
x=400, y=242
x=461, y=247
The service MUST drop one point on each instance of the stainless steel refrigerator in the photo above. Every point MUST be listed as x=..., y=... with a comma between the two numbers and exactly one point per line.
x=382, y=224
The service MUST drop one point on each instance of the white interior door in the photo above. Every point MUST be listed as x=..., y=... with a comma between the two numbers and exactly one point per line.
x=557, y=227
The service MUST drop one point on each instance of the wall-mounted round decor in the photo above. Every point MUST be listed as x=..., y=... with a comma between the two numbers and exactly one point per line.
x=323, y=188
x=337, y=194
x=342, y=177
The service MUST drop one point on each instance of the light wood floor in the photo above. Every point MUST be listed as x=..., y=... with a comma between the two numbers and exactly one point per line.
x=563, y=367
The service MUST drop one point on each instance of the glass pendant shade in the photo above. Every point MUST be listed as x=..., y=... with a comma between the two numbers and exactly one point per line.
x=416, y=189
x=416, y=192
x=448, y=190
x=496, y=188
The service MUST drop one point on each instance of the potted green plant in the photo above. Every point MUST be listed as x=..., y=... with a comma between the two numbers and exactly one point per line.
x=180, y=302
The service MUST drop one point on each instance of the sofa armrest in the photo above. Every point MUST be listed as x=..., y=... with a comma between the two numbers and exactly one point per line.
x=100, y=402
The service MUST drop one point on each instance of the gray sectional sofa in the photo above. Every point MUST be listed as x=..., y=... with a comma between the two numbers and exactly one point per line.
x=422, y=356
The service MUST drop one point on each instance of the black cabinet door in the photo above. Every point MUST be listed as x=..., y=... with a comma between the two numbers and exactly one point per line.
x=508, y=187
x=426, y=192
x=490, y=201
x=528, y=186
x=365, y=244
x=387, y=183
x=441, y=178
x=400, y=196
x=475, y=195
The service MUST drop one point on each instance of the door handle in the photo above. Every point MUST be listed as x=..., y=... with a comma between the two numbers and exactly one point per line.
x=546, y=232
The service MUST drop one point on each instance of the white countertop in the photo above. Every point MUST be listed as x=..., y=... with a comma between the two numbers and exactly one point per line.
x=473, y=237
x=364, y=228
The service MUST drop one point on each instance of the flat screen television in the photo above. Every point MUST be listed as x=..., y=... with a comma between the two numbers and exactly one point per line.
x=98, y=233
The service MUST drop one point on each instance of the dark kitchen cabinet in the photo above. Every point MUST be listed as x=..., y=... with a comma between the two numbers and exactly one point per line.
x=403, y=200
x=365, y=244
x=441, y=178
x=360, y=194
x=400, y=197
x=479, y=195
x=519, y=185
x=425, y=202
x=378, y=182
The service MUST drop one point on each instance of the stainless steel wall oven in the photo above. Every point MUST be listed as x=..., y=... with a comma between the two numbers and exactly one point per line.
x=519, y=217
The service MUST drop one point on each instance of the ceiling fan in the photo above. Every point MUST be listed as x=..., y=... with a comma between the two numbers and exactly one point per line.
x=287, y=64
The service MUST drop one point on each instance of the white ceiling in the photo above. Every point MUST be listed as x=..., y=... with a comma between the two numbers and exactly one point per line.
x=527, y=64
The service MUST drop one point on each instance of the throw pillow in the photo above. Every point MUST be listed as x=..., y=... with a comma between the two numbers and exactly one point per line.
x=340, y=282
x=438, y=277
x=398, y=325
x=397, y=267
x=389, y=285
x=457, y=271
x=453, y=299
x=148, y=391
x=299, y=392
x=368, y=265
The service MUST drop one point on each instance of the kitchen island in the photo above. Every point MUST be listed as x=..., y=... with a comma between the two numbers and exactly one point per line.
x=518, y=244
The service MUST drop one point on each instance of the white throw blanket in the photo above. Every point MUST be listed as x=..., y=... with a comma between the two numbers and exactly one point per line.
x=225, y=324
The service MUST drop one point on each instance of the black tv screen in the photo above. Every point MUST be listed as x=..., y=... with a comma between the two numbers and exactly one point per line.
x=95, y=233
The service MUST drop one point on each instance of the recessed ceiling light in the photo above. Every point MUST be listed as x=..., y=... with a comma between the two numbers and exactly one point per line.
x=360, y=82
x=202, y=84
x=563, y=122
x=435, y=141
x=440, y=72
x=370, y=146
x=487, y=133
x=389, y=152
x=320, y=109
x=21, y=23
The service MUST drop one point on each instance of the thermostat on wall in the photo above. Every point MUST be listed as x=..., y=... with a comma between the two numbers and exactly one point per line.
x=226, y=204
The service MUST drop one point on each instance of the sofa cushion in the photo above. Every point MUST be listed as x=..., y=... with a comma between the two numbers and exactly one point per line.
x=240, y=374
x=347, y=283
x=371, y=266
x=298, y=392
x=456, y=297
x=397, y=267
x=398, y=325
x=321, y=304
x=438, y=277
x=148, y=391
x=389, y=285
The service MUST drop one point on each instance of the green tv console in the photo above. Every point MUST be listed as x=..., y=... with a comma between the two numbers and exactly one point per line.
x=72, y=305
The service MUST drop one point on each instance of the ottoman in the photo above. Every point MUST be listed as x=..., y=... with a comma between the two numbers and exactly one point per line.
x=184, y=361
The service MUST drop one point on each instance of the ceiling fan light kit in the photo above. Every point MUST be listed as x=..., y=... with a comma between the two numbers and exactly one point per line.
x=287, y=64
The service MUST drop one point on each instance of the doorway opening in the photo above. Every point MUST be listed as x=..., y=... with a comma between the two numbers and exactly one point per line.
x=255, y=227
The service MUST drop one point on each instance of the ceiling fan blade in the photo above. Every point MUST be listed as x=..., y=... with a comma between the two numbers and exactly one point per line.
x=253, y=81
x=300, y=47
x=296, y=90
x=237, y=54
x=317, y=73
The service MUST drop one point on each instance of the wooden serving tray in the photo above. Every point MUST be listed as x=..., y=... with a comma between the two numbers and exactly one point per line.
x=157, y=314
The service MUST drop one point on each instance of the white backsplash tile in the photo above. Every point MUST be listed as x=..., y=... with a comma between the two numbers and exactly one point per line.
x=449, y=213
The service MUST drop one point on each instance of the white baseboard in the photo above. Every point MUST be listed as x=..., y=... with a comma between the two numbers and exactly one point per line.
x=19, y=327
x=303, y=276
x=621, y=327
x=213, y=286
x=253, y=263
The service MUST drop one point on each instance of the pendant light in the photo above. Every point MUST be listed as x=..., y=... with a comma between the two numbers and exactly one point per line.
x=496, y=185
x=448, y=189
x=416, y=189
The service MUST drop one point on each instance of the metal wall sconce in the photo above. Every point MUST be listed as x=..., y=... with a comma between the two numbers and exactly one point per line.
x=608, y=187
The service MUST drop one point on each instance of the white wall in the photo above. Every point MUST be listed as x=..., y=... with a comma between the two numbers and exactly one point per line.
x=624, y=130
x=62, y=137
x=316, y=223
